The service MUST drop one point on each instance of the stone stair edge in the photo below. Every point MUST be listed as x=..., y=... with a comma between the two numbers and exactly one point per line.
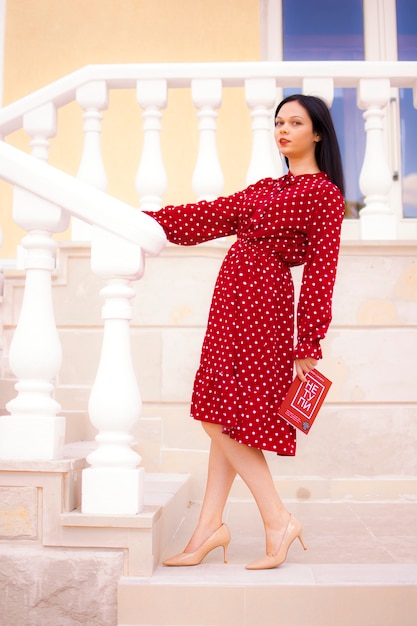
x=290, y=574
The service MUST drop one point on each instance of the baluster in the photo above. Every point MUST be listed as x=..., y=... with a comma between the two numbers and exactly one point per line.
x=40, y=124
x=261, y=98
x=208, y=178
x=151, y=179
x=377, y=220
x=92, y=98
x=33, y=430
x=114, y=482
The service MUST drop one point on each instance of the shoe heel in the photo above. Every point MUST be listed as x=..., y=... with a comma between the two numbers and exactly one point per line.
x=225, y=548
x=300, y=539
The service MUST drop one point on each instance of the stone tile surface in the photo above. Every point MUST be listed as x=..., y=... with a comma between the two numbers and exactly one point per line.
x=335, y=533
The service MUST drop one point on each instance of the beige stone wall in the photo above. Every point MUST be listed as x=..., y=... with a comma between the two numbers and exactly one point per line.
x=363, y=443
x=47, y=40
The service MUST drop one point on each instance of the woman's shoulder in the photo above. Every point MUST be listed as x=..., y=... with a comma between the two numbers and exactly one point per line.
x=322, y=185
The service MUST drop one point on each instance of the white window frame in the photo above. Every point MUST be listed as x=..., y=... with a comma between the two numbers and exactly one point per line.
x=380, y=44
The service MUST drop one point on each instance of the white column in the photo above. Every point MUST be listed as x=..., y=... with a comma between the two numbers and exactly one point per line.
x=92, y=98
x=261, y=94
x=208, y=180
x=377, y=219
x=114, y=482
x=40, y=124
x=151, y=178
x=33, y=430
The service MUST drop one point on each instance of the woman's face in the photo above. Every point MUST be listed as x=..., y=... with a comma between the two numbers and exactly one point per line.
x=294, y=133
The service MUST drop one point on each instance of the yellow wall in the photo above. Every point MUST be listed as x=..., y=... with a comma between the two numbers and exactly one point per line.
x=47, y=39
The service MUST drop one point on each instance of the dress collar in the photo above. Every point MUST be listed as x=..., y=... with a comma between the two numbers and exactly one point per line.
x=290, y=179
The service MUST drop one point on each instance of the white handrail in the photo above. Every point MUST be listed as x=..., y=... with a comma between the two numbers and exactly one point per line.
x=286, y=74
x=80, y=199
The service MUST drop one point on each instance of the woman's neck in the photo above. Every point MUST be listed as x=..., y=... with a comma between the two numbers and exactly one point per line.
x=303, y=166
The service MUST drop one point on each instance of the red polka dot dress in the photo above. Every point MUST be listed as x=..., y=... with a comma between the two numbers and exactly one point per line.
x=248, y=353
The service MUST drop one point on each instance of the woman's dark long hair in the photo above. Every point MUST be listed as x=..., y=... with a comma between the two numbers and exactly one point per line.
x=327, y=150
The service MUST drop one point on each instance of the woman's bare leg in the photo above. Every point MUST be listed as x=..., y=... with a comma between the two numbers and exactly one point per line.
x=220, y=477
x=229, y=458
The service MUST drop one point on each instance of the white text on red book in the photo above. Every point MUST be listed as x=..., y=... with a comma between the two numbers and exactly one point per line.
x=310, y=393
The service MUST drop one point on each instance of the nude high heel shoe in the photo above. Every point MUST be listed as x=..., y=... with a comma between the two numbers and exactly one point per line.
x=221, y=537
x=293, y=531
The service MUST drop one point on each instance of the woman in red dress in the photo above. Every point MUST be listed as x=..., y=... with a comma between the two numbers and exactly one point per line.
x=248, y=355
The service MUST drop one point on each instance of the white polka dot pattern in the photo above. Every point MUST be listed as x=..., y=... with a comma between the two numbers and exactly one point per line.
x=247, y=358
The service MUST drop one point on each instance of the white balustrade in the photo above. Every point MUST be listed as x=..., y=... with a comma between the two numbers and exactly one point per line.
x=208, y=180
x=33, y=430
x=151, y=178
x=92, y=98
x=261, y=96
x=376, y=218
x=114, y=482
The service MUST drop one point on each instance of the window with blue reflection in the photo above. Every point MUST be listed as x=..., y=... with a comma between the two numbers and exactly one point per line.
x=325, y=30
x=407, y=51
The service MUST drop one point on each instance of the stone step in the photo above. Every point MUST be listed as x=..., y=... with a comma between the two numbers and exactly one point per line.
x=293, y=595
x=145, y=536
x=360, y=568
x=60, y=566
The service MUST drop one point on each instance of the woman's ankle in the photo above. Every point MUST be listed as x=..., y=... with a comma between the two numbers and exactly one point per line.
x=278, y=520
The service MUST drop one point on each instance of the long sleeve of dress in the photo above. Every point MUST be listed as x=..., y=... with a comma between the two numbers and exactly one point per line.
x=314, y=311
x=191, y=224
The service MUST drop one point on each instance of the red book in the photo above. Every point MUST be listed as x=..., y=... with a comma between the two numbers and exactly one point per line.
x=303, y=400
